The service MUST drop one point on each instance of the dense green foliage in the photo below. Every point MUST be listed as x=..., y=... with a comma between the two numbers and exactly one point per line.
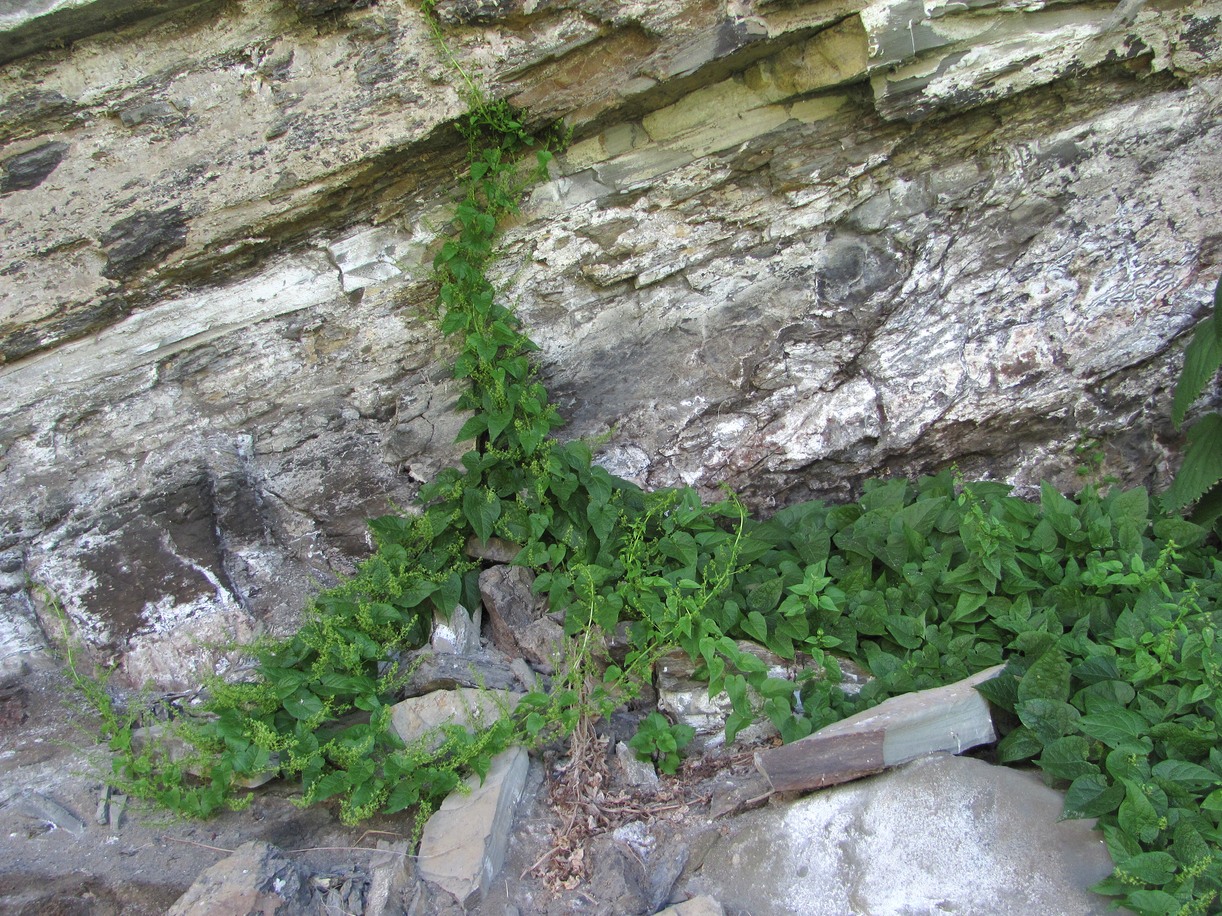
x=1104, y=607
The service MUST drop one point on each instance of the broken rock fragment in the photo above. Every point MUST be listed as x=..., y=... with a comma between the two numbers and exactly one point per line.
x=509, y=603
x=953, y=718
x=463, y=846
x=424, y=716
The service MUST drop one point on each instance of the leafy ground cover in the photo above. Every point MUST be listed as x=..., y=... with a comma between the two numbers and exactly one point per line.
x=1103, y=605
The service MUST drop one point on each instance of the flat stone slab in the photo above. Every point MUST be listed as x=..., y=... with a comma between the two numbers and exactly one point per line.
x=256, y=878
x=953, y=718
x=463, y=845
x=943, y=834
x=470, y=707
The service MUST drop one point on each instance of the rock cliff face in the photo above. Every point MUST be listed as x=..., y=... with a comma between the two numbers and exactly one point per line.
x=792, y=244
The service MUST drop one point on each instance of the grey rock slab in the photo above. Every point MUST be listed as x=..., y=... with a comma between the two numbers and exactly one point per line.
x=375, y=255
x=27, y=26
x=509, y=603
x=634, y=868
x=37, y=806
x=21, y=637
x=633, y=770
x=456, y=633
x=942, y=834
x=388, y=880
x=256, y=878
x=704, y=905
x=542, y=643
x=617, y=875
x=118, y=806
x=472, y=708
x=463, y=845
x=731, y=793
x=952, y=718
x=494, y=550
x=432, y=671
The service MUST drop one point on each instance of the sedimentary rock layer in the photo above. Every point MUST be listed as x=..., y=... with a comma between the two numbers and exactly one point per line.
x=791, y=245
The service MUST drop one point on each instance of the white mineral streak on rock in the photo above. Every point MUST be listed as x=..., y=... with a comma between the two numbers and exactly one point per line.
x=822, y=424
x=183, y=643
x=178, y=324
x=375, y=255
x=21, y=637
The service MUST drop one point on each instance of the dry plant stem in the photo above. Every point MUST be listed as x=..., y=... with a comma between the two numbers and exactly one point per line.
x=174, y=839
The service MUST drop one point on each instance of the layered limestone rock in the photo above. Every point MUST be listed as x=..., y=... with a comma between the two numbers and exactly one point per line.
x=791, y=245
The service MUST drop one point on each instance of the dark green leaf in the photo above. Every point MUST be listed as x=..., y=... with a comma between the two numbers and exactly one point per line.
x=1066, y=758
x=475, y=426
x=1114, y=726
x=1001, y=691
x=1202, y=466
x=1208, y=509
x=481, y=508
x=327, y=786
x=1092, y=795
x=1153, y=903
x=1131, y=506
x=765, y=597
x=303, y=705
x=1201, y=361
x=1137, y=816
x=602, y=518
x=1047, y=678
x=1190, y=775
x=415, y=592
x=756, y=626
x=1020, y=744
x=1047, y=719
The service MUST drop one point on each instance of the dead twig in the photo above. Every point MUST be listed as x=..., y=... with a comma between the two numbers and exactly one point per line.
x=174, y=839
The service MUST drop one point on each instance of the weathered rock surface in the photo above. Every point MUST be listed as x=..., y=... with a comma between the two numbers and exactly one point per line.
x=941, y=834
x=954, y=718
x=257, y=878
x=470, y=708
x=513, y=614
x=703, y=905
x=792, y=244
x=458, y=632
x=463, y=845
x=432, y=671
x=50, y=813
x=633, y=871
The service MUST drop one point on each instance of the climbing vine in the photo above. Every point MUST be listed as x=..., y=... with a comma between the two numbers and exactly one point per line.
x=1104, y=607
